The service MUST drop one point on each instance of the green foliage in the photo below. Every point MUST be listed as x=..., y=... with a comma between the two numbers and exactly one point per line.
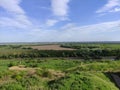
x=103, y=66
x=46, y=74
x=82, y=81
x=32, y=65
x=79, y=74
x=12, y=86
x=11, y=64
x=83, y=51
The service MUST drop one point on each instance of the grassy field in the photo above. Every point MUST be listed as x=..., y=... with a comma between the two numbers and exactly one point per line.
x=57, y=74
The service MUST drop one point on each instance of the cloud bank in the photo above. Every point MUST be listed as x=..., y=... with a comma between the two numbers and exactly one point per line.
x=71, y=32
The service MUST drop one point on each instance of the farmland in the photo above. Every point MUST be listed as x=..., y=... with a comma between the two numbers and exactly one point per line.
x=50, y=47
x=68, y=66
x=81, y=51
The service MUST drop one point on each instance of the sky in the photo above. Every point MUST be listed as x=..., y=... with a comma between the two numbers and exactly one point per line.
x=59, y=20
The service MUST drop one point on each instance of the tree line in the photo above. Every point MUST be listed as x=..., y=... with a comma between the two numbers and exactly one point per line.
x=82, y=53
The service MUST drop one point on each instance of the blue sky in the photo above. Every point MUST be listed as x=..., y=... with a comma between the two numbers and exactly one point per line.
x=59, y=20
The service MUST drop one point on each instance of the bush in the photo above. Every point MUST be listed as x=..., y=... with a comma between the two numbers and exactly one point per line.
x=17, y=77
x=11, y=64
x=46, y=74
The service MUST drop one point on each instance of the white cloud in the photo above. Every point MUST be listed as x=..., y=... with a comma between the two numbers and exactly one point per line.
x=51, y=22
x=60, y=7
x=115, y=9
x=15, y=16
x=12, y=6
x=60, y=10
x=111, y=6
x=71, y=32
x=14, y=23
x=106, y=31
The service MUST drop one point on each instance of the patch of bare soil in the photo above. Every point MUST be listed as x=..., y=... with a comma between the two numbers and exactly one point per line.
x=31, y=71
x=20, y=68
x=50, y=47
x=56, y=74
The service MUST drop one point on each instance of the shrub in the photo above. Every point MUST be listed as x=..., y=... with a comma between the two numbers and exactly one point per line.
x=46, y=74
x=11, y=64
x=17, y=77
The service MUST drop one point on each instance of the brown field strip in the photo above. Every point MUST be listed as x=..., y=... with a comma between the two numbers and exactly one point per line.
x=50, y=47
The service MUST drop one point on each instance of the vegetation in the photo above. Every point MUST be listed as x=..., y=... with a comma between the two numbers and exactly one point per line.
x=57, y=74
x=83, y=81
x=82, y=51
x=86, y=67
